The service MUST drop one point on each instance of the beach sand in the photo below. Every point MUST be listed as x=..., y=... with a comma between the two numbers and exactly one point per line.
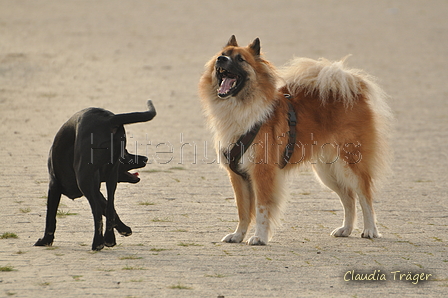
x=58, y=57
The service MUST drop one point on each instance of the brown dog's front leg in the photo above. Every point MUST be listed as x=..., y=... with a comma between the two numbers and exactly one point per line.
x=244, y=198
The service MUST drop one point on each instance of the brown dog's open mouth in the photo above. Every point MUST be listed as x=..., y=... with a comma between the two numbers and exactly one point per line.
x=228, y=82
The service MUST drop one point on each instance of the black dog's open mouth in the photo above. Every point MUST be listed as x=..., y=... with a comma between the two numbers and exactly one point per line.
x=133, y=177
x=128, y=177
x=228, y=82
x=130, y=162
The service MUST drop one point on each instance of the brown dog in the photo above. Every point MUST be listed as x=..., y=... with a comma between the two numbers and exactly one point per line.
x=323, y=114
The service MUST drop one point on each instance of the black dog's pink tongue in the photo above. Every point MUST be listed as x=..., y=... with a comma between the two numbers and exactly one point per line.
x=135, y=174
x=226, y=84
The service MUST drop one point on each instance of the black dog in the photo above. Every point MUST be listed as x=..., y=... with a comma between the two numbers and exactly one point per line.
x=87, y=150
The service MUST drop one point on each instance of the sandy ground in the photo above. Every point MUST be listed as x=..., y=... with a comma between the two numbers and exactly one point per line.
x=58, y=57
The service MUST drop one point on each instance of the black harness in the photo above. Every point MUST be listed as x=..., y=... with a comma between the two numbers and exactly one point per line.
x=292, y=121
x=234, y=155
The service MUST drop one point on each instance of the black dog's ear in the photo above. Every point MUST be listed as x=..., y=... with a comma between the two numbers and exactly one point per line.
x=232, y=41
x=255, y=47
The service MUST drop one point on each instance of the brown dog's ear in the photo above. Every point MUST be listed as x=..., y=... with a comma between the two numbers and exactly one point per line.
x=255, y=46
x=232, y=41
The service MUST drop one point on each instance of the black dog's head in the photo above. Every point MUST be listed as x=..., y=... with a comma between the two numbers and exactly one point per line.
x=129, y=162
x=232, y=67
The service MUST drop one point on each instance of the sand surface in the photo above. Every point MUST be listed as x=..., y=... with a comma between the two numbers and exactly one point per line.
x=58, y=57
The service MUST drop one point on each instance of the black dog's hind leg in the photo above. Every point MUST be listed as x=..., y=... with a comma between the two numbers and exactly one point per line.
x=54, y=197
x=111, y=185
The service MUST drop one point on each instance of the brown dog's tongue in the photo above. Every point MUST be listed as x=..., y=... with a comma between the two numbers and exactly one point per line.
x=226, y=85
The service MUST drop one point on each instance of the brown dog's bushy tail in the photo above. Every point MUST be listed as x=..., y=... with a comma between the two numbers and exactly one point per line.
x=135, y=117
x=328, y=81
x=331, y=79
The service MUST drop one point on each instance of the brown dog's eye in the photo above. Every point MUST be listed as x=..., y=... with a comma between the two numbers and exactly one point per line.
x=239, y=58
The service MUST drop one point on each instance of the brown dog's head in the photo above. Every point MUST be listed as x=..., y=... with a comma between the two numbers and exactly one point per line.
x=238, y=74
x=234, y=65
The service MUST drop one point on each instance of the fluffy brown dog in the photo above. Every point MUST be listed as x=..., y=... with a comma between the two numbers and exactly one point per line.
x=322, y=114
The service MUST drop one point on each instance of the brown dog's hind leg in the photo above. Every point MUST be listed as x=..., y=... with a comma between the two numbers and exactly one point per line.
x=348, y=201
x=370, y=228
x=328, y=175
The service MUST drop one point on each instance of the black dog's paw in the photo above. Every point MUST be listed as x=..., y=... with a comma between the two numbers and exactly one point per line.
x=124, y=230
x=97, y=247
x=46, y=241
x=109, y=238
x=110, y=244
x=98, y=243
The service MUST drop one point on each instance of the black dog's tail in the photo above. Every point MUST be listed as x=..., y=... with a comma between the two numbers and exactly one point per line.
x=129, y=118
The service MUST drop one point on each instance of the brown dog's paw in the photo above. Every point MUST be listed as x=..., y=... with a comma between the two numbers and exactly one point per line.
x=233, y=238
x=255, y=240
x=342, y=232
x=371, y=233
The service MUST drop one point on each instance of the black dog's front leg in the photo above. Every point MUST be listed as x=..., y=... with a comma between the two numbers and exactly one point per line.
x=98, y=238
x=120, y=226
x=54, y=197
x=90, y=187
x=111, y=185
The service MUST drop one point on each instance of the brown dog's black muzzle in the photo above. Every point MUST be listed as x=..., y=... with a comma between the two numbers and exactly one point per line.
x=223, y=59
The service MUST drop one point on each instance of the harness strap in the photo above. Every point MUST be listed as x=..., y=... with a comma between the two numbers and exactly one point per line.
x=292, y=121
x=234, y=155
